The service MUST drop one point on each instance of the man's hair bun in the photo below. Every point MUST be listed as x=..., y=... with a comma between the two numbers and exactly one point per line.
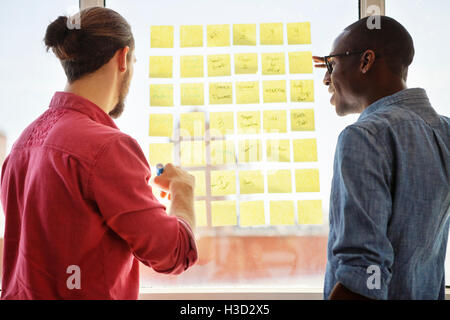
x=61, y=39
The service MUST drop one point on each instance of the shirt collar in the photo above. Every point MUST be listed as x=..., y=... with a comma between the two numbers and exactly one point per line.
x=72, y=101
x=403, y=95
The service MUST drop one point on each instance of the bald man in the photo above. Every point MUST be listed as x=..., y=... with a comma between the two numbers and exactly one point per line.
x=390, y=196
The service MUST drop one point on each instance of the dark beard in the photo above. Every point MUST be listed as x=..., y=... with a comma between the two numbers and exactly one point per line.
x=118, y=109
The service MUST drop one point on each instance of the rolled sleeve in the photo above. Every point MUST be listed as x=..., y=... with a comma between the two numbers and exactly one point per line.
x=119, y=186
x=361, y=207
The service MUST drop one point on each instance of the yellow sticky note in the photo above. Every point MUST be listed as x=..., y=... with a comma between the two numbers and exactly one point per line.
x=282, y=212
x=222, y=152
x=223, y=182
x=161, y=125
x=302, y=90
x=221, y=123
x=192, y=94
x=161, y=36
x=251, y=181
x=247, y=92
x=161, y=67
x=218, y=35
x=299, y=33
x=272, y=63
x=271, y=33
x=251, y=213
x=245, y=63
x=161, y=95
x=300, y=62
x=275, y=121
x=279, y=181
x=191, y=66
x=161, y=153
x=302, y=120
x=223, y=213
x=278, y=150
x=244, y=34
x=310, y=212
x=192, y=153
x=249, y=150
x=192, y=124
x=248, y=122
x=200, y=185
x=307, y=180
x=274, y=91
x=221, y=93
x=305, y=150
x=201, y=219
x=191, y=36
x=219, y=65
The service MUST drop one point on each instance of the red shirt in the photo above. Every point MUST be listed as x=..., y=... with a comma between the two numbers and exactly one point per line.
x=75, y=193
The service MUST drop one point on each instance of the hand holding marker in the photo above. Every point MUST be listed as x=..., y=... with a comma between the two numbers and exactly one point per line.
x=159, y=171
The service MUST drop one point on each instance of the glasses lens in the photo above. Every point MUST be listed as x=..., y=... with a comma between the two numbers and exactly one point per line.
x=328, y=64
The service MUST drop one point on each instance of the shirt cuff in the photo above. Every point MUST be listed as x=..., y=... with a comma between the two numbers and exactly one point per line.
x=192, y=255
x=360, y=281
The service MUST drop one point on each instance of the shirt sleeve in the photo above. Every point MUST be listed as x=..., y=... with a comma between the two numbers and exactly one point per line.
x=361, y=207
x=119, y=186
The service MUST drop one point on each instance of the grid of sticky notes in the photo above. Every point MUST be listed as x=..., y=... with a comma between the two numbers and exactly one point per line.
x=227, y=170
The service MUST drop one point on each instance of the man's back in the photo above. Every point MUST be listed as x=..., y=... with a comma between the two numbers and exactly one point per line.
x=391, y=198
x=75, y=195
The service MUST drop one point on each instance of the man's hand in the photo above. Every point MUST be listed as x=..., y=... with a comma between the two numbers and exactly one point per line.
x=320, y=62
x=180, y=185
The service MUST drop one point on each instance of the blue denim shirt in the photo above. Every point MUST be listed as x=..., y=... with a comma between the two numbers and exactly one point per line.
x=390, y=201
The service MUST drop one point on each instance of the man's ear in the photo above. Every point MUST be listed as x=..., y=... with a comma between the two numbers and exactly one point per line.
x=123, y=58
x=367, y=61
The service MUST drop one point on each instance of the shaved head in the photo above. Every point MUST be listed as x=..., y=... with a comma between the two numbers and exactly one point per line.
x=391, y=41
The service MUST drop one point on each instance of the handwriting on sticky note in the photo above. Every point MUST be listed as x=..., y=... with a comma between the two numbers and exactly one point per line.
x=223, y=213
x=302, y=90
x=282, y=212
x=192, y=94
x=161, y=125
x=223, y=182
x=249, y=151
x=310, y=212
x=248, y=122
x=299, y=33
x=274, y=91
x=271, y=33
x=191, y=36
x=192, y=153
x=305, y=150
x=191, y=66
x=160, y=153
x=273, y=63
x=222, y=152
x=200, y=185
x=278, y=150
x=307, y=180
x=244, y=34
x=219, y=65
x=161, y=67
x=245, y=63
x=279, y=181
x=302, y=120
x=247, y=92
x=201, y=219
x=218, y=35
x=221, y=123
x=221, y=93
x=161, y=36
x=251, y=213
x=251, y=181
x=161, y=95
x=300, y=62
x=275, y=121
x=192, y=124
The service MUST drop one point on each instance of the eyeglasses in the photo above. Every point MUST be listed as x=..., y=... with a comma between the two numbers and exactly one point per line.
x=328, y=62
